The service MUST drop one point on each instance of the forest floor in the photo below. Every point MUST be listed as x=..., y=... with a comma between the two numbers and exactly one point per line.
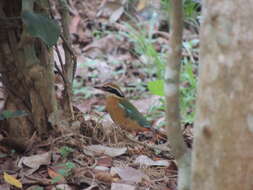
x=90, y=152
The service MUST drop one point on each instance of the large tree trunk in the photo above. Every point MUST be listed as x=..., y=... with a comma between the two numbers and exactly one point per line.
x=27, y=75
x=223, y=153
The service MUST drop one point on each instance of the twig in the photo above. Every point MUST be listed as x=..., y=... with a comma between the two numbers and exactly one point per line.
x=163, y=148
x=61, y=71
x=73, y=54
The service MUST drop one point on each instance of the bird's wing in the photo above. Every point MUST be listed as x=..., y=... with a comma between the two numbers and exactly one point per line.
x=132, y=112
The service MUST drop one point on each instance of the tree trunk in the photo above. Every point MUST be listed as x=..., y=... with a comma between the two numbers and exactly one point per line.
x=223, y=154
x=178, y=147
x=27, y=75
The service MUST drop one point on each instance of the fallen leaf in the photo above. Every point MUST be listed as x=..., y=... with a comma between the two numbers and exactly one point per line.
x=5, y=186
x=93, y=150
x=105, y=177
x=12, y=180
x=92, y=187
x=55, y=176
x=108, y=8
x=117, y=186
x=101, y=168
x=102, y=47
x=105, y=161
x=129, y=174
x=36, y=161
x=116, y=14
x=144, y=160
x=35, y=187
x=63, y=186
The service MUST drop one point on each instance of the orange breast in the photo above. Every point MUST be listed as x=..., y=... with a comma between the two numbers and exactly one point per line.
x=118, y=115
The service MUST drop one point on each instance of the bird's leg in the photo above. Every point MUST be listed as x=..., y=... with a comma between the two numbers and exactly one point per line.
x=145, y=135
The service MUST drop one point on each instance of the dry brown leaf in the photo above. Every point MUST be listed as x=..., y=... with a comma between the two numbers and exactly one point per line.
x=115, y=16
x=129, y=174
x=101, y=168
x=105, y=161
x=53, y=175
x=5, y=186
x=105, y=177
x=63, y=186
x=93, y=150
x=102, y=47
x=107, y=8
x=144, y=160
x=34, y=187
x=36, y=161
x=117, y=186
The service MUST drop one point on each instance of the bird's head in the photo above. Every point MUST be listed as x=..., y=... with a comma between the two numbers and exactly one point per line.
x=111, y=89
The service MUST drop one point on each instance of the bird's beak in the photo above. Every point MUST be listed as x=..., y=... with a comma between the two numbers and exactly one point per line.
x=99, y=87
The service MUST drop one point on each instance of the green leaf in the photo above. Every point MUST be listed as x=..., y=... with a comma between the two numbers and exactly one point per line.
x=63, y=172
x=70, y=165
x=6, y=114
x=56, y=179
x=38, y=25
x=65, y=151
x=156, y=87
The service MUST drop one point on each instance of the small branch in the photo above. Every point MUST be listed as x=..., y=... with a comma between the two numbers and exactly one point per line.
x=70, y=63
x=70, y=58
x=61, y=71
x=172, y=72
x=73, y=54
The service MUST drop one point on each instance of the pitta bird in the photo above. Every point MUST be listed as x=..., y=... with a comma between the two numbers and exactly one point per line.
x=123, y=112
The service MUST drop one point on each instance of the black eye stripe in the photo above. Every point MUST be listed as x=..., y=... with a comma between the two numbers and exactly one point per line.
x=114, y=91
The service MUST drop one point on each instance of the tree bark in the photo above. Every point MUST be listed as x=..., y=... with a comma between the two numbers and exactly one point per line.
x=223, y=132
x=172, y=70
x=27, y=75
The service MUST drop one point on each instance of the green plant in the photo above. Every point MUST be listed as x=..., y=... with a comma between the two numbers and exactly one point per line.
x=156, y=111
x=144, y=45
x=65, y=151
x=188, y=87
x=156, y=87
x=65, y=172
x=191, y=9
x=188, y=90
